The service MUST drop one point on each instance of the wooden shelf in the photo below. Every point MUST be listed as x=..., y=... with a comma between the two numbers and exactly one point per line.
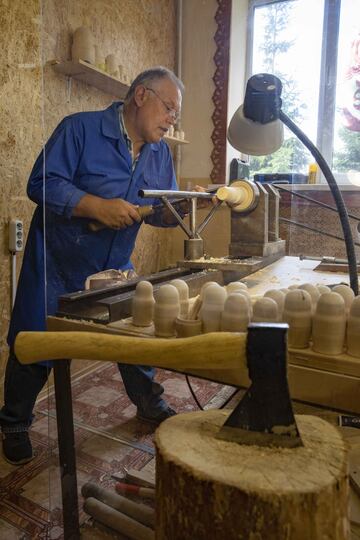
x=89, y=74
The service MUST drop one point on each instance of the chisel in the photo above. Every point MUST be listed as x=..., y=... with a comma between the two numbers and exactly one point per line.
x=143, y=211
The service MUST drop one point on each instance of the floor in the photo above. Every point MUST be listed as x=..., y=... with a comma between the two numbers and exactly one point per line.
x=108, y=439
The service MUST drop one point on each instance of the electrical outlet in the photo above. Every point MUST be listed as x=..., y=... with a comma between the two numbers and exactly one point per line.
x=16, y=235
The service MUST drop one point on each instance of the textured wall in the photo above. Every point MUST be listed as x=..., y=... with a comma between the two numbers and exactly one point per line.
x=33, y=100
x=198, y=68
x=20, y=127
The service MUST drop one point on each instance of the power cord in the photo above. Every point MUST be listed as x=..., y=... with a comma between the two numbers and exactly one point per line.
x=236, y=390
x=318, y=203
x=308, y=228
x=339, y=201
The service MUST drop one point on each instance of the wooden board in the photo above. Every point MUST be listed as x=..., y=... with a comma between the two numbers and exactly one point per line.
x=290, y=271
x=341, y=363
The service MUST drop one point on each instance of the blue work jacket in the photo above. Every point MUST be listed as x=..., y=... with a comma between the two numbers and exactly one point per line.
x=87, y=153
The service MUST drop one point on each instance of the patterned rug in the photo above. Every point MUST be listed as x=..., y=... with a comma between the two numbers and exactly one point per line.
x=108, y=439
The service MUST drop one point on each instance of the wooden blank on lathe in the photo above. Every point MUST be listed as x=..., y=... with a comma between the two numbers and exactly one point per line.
x=211, y=489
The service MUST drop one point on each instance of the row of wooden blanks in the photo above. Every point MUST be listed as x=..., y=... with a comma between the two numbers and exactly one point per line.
x=173, y=313
x=326, y=319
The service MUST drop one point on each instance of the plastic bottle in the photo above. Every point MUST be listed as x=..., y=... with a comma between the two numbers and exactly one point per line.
x=313, y=173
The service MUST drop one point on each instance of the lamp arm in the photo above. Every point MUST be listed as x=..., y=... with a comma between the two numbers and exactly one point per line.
x=339, y=201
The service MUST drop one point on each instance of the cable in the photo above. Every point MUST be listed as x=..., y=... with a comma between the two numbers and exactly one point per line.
x=197, y=401
x=13, y=278
x=324, y=205
x=230, y=398
x=344, y=218
x=302, y=226
x=193, y=393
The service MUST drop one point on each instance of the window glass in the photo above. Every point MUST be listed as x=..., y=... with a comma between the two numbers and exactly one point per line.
x=287, y=43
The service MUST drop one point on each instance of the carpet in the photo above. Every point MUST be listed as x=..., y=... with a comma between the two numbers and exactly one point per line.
x=108, y=438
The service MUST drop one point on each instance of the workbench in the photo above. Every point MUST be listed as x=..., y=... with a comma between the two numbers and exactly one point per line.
x=331, y=381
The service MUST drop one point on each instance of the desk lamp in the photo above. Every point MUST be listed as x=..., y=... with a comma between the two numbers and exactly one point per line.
x=256, y=128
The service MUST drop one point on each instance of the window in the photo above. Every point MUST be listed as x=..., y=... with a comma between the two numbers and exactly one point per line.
x=317, y=58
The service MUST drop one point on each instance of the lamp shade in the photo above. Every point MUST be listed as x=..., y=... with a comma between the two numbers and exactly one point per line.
x=254, y=138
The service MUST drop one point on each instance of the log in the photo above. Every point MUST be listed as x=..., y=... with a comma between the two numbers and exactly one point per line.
x=117, y=520
x=209, y=488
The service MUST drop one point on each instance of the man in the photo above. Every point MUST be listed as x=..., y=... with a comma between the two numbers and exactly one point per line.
x=94, y=165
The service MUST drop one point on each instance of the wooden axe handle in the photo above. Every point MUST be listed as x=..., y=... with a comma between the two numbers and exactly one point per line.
x=143, y=211
x=225, y=350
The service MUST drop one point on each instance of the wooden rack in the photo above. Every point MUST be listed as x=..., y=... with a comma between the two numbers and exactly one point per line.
x=89, y=74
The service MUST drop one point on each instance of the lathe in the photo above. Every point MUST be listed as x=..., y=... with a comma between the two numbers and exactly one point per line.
x=256, y=255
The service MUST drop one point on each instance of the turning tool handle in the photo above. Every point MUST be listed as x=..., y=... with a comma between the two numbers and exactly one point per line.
x=223, y=350
x=117, y=520
x=143, y=212
x=140, y=512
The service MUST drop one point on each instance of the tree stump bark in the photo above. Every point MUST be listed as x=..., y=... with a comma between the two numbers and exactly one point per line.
x=210, y=489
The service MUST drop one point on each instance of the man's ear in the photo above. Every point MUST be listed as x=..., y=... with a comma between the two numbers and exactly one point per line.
x=140, y=95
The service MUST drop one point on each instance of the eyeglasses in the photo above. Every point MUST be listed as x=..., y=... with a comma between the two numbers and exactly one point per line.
x=175, y=115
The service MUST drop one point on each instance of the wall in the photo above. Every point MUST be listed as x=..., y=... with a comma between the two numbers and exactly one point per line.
x=142, y=33
x=198, y=70
x=20, y=127
x=237, y=66
x=198, y=49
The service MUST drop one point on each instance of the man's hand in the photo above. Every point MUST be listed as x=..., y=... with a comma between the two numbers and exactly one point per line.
x=113, y=213
x=205, y=203
x=117, y=213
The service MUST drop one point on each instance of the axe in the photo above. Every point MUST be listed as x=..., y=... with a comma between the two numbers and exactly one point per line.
x=264, y=416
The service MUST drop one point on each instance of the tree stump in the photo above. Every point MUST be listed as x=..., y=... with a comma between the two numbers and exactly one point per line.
x=211, y=489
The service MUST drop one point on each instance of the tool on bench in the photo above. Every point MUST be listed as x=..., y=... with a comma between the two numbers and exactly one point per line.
x=325, y=259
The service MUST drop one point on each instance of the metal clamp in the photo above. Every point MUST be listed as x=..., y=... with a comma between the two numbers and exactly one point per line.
x=194, y=245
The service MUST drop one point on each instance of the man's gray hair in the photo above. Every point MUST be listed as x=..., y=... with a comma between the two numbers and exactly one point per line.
x=154, y=74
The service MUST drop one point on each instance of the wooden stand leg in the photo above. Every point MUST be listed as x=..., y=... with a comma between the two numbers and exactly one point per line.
x=67, y=459
x=208, y=488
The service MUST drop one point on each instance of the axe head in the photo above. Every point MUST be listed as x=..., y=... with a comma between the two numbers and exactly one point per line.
x=264, y=416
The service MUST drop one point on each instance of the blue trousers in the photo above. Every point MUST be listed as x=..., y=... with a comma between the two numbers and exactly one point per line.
x=24, y=382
